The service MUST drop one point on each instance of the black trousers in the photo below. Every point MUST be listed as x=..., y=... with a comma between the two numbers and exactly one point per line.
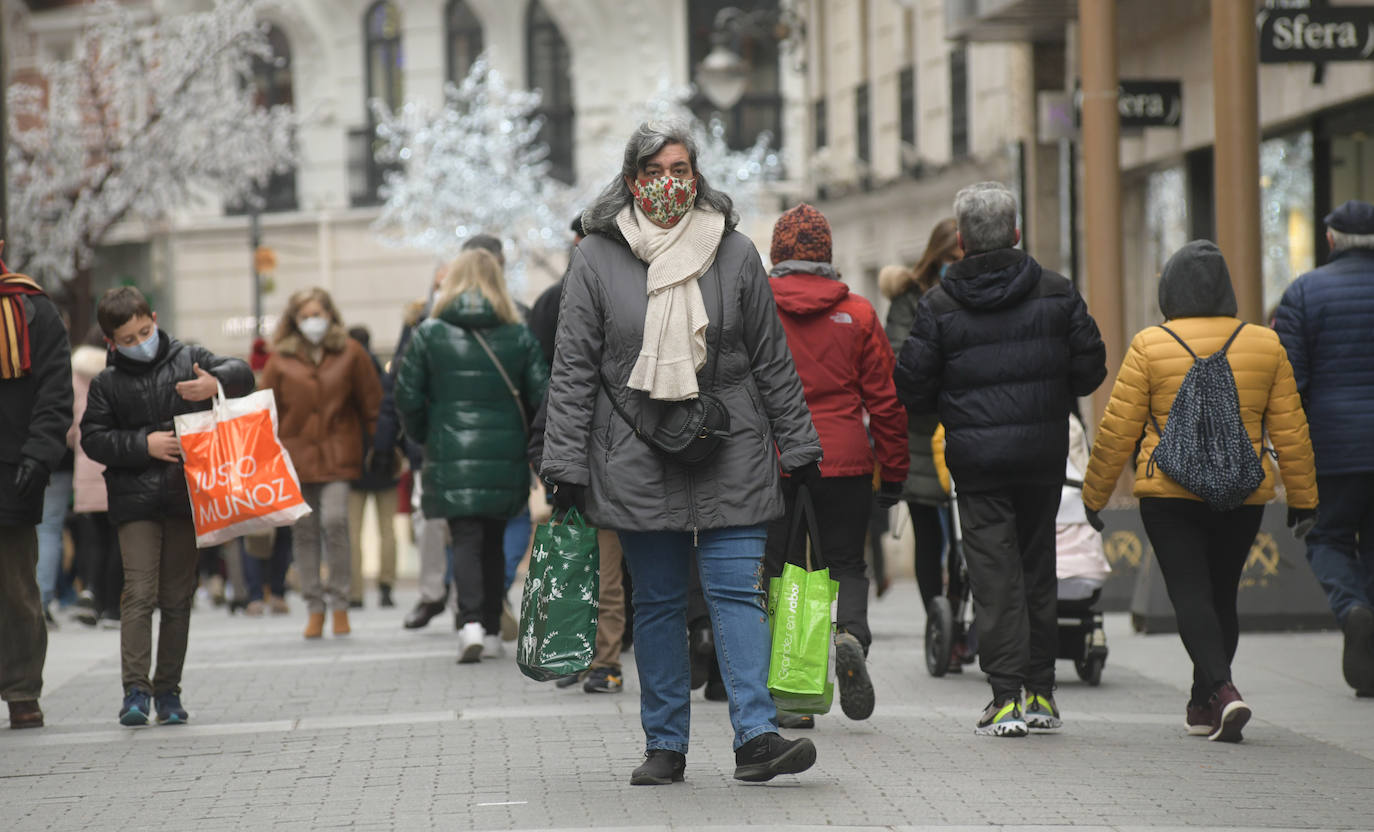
x=1008, y=540
x=843, y=507
x=98, y=562
x=930, y=550
x=479, y=569
x=1202, y=554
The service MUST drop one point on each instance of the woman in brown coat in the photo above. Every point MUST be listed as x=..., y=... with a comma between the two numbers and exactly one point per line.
x=328, y=395
x=1200, y=551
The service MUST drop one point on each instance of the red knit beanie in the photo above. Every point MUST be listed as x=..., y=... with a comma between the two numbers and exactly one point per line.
x=801, y=234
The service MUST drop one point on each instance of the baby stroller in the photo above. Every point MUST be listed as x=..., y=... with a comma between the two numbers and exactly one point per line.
x=1081, y=567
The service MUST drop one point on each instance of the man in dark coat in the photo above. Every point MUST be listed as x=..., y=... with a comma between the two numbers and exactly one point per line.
x=1001, y=349
x=35, y=414
x=1326, y=323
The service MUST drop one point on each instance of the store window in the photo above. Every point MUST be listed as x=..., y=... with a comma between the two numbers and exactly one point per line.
x=272, y=87
x=384, y=62
x=1286, y=212
x=464, y=39
x=1167, y=227
x=958, y=102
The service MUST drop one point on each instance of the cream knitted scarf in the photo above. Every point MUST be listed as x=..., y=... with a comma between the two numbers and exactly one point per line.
x=675, y=321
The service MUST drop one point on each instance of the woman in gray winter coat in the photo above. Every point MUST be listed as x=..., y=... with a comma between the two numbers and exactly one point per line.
x=924, y=495
x=665, y=300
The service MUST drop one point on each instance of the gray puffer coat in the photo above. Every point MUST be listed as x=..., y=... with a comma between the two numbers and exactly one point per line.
x=748, y=365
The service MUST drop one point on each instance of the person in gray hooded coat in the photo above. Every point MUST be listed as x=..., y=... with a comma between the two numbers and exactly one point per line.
x=664, y=299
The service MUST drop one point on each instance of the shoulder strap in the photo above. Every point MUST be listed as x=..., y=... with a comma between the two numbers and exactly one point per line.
x=510, y=385
x=1181, y=341
x=1232, y=339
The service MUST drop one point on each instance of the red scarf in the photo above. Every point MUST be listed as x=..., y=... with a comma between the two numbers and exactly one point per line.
x=15, y=358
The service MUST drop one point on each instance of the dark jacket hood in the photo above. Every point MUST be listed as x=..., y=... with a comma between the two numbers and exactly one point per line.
x=804, y=291
x=995, y=280
x=470, y=310
x=1195, y=283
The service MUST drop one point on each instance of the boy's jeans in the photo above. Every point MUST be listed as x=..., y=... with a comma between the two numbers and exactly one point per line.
x=160, y=559
x=731, y=566
x=55, y=500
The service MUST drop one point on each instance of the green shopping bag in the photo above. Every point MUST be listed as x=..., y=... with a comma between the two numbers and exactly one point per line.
x=800, y=612
x=558, y=612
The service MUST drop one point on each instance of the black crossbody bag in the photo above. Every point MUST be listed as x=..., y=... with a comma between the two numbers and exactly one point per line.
x=688, y=432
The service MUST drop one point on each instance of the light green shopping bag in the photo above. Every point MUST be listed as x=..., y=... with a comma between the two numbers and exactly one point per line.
x=558, y=613
x=800, y=611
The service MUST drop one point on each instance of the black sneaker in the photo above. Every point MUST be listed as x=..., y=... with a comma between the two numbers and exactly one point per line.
x=136, y=708
x=661, y=767
x=86, y=611
x=384, y=599
x=169, y=710
x=355, y=604
x=1357, y=658
x=768, y=755
x=716, y=692
x=423, y=612
x=851, y=673
x=787, y=719
x=604, y=680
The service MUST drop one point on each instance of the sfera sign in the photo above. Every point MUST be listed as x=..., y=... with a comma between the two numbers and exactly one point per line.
x=1318, y=34
x=1143, y=103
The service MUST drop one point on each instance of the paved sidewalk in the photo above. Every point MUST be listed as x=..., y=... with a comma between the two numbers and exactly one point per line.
x=383, y=730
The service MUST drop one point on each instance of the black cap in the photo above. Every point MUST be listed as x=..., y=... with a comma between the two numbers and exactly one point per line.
x=1354, y=217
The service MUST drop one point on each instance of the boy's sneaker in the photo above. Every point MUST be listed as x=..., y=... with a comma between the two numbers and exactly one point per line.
x=1198, y=720
x=768, y=755
x=604, y=680
x=851, y=672
x=136, y=708
x=1002, y=719
x=1041, y=712
x=1230, y=712
x=169, y=710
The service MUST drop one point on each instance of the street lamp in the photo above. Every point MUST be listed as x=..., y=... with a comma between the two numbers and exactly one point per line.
x=723, y=75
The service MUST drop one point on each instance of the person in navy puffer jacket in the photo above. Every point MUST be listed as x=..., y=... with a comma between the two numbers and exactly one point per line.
x=1326, y=322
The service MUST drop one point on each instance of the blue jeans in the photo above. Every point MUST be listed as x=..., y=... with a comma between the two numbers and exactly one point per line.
x=56, y=498
x=731, y=568
x=1340, y=546
x=517, y=540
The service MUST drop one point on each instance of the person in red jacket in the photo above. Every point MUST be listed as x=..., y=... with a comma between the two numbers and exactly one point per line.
x=845, y=363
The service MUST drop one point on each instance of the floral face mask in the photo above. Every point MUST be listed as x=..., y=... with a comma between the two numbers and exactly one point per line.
x=666, y=199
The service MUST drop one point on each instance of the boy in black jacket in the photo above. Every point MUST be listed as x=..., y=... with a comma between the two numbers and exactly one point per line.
x=128, y=426
x=35, y=412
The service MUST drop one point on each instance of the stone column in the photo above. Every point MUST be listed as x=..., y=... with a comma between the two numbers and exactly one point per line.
x=1235, y=70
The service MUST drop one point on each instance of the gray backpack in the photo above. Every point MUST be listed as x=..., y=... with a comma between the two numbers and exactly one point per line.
x=1204, y=447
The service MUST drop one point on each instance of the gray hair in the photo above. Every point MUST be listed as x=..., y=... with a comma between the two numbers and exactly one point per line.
x=645, y=143
x=986, y=214
x=1341, y=240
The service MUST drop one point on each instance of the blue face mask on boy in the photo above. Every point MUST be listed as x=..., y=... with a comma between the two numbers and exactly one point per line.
x=144, y=352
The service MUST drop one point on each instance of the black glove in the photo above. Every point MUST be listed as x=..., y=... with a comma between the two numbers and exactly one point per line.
x=890, y=494
x=566, y=496
x=30, y=478
x=1301, y=521
x=808, y=475
x=1093, y=519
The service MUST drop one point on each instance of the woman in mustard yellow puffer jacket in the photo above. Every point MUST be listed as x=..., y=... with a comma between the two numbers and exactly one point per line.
x=1200, y=551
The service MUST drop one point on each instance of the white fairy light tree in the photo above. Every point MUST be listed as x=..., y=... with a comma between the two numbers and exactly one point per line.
x=148, y=115
x=473, y=165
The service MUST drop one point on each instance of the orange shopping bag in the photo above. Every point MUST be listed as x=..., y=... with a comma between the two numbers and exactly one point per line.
x=240, y=476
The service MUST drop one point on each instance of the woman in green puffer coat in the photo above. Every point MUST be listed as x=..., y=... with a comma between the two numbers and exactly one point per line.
x=923, y=493
x=471, y=379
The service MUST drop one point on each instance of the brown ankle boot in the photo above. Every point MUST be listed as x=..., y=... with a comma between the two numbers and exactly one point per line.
x=314, y=625
x=25, y=714
x=341, y=627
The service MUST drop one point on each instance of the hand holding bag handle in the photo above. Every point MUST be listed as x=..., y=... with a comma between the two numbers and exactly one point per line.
x=510, y=385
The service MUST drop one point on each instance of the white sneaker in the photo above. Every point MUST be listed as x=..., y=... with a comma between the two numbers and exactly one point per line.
x=470, y=643
x=491, y=647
